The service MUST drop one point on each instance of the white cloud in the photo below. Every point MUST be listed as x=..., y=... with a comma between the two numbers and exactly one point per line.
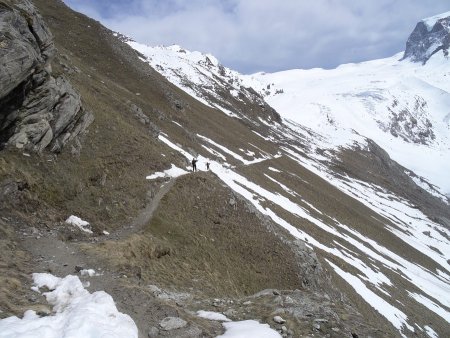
x=252, y=35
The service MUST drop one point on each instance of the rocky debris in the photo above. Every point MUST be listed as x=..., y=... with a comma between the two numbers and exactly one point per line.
x=153, y=332
x=306, y=314
x=68, y=68
x=187, y=332
x=178, y=297
x=137, y=111
x=426, y=40
x=172, y=323
x=279, y=320
x=11, y=190
x=232, y=202
x=220, y=303
x=153, y=129
x=230, y=313
x=38, y=110
x=177, y=103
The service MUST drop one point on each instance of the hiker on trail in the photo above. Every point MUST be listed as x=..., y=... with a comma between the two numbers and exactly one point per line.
x=194, y=165
x=207, y=165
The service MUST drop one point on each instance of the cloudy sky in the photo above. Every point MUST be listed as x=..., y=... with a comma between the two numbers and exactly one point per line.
x=269, y=35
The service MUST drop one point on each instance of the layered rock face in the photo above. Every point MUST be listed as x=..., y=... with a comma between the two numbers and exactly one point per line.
x=428, y=38
x=37, y=110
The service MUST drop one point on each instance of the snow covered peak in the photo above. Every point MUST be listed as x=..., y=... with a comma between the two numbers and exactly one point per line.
x=431, y=21
x=431, y=36
x=203, y=77
x=195, y=57
x=179, y=65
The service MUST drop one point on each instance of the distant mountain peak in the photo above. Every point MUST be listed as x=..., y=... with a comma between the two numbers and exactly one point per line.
x=430, y=36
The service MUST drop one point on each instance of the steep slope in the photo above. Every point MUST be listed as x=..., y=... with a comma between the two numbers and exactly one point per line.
x=280, y=207
x=330, y=122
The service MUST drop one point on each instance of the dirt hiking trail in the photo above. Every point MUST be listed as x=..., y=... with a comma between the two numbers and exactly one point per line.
x=146, y=214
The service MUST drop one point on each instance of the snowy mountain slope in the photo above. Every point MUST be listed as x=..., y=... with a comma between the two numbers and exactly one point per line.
x=402, y=106
x=396, y=260
x=203, y=77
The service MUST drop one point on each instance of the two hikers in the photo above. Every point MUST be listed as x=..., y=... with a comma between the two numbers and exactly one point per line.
x=194, y=165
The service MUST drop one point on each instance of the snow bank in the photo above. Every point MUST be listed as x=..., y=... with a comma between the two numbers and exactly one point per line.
x=76, y=314
x=248, y=328
x=213, y=316
x=79, y=223
x=242, y=329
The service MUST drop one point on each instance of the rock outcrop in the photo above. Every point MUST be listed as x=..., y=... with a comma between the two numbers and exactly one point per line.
x=409, y=121
x=430, y=36
x=37, y=110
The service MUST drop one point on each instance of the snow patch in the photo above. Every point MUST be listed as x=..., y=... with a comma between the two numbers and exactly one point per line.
x=79, y=223
x=430, y=332
x=76, y=313
x=89, y=272
x=174, y=171
x=432, y=306
x=213, y=316
x=394, y=315
x=232, y=153
x=248, y=328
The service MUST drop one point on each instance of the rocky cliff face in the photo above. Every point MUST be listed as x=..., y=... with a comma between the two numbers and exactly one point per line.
x=37, y=109
x=428, y=38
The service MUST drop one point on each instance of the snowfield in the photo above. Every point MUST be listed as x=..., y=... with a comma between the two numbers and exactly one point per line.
x=403, y=106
